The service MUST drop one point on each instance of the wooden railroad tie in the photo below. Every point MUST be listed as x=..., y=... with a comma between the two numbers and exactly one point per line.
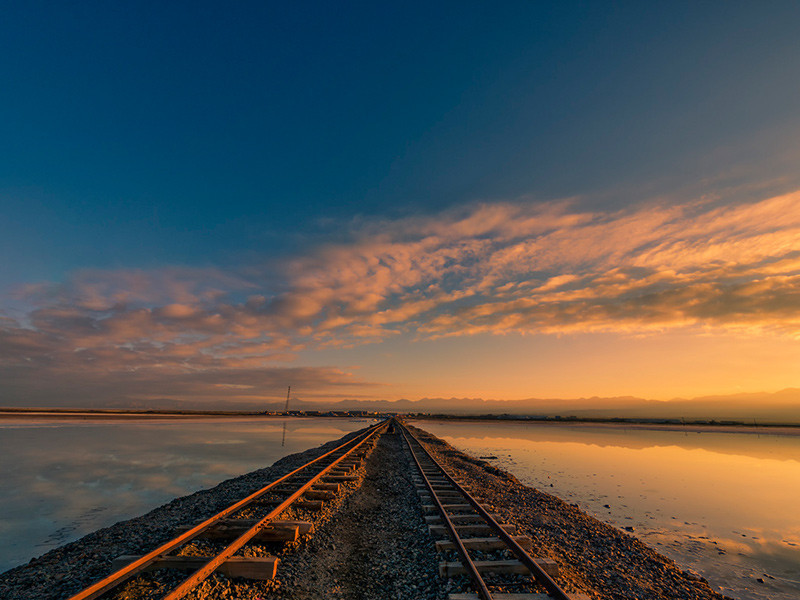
x=437, y=487
x=340, y=471
x=330, y=487
x=261, y=568
x=277, y=531
x=515, y=597
x=268, y=534
x=440, y=492
x=312, y=505
x=303, y=527
x=450, y=569
x=446, y=499
x=318, y=495
x=458, y=519
x=500, y=596
x=341, y=478
x=315, y=493
x=484, y=544
x=471, y=530
x=451, y=507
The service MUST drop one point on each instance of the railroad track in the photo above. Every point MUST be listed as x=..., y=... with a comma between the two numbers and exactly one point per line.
x=488, y=552
x=252, y=520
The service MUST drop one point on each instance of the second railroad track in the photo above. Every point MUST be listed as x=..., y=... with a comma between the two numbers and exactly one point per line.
x=487, y=552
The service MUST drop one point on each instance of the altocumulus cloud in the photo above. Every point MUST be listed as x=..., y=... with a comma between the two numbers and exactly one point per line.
x=545, y=268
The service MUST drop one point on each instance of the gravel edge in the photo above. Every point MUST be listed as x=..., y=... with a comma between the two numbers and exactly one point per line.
x=64, y=571
x=594, y=558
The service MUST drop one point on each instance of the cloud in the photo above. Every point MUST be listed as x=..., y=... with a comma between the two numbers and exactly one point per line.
x=552, y=269
x=506, y=267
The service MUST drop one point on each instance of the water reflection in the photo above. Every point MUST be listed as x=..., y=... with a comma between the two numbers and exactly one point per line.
x=66, y=478
x=720, y=502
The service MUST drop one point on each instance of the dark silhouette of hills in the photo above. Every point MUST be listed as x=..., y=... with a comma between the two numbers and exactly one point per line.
x=782, y=406
x=759, y=407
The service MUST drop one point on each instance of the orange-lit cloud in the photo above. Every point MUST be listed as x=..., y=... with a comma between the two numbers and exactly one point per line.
x=548, y=269
x=494, y=268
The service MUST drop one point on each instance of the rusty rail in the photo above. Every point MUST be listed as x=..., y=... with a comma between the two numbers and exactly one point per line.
x=548, y=583
x=120, y=576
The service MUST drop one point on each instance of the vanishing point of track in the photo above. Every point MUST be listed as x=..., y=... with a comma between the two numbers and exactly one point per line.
x=467, y=527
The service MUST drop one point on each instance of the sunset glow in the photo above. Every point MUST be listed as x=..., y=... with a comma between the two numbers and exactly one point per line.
x=405, y=234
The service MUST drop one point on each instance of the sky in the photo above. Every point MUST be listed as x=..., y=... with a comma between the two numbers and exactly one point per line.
x=204, y=203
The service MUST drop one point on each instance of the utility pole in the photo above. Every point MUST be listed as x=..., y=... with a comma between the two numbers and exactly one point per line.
x=285, y=410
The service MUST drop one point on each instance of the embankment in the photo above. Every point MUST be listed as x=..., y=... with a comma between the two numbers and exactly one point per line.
x=372, y=543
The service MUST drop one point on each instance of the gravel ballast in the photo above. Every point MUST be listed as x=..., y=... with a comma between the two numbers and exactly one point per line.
x=372, y=541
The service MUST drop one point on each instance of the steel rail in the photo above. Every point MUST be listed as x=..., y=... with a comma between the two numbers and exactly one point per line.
x=466, y=560
x=553, y=589
x=120, y=576
x=207, y=569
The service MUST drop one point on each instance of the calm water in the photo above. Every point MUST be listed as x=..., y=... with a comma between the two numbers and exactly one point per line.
x=724, y=504
x=65, y=478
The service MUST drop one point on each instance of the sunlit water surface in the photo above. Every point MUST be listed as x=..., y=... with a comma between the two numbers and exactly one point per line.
x=724, y=504
x=63, y=478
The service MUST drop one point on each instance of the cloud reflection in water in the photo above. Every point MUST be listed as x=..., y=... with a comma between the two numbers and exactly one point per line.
x=723, y=504
x=64, y=479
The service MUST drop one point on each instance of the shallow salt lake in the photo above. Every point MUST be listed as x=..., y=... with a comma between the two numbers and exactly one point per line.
x=725, y=504
x=64, y=478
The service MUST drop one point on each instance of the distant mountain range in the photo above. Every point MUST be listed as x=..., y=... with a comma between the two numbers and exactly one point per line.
x=783, y=406
x=762, y=407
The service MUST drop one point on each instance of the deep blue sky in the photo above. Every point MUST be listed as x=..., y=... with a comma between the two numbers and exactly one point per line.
x=215, y=200
x=135, y=134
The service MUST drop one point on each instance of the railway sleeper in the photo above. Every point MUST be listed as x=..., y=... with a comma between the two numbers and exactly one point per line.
x=260, y=568
x=318, y=495
x=500, y=596
x=512, y=596
x=441, y=493
x=444, y=498
x=315, y=493
x=340, y=471
x=303, y=527
x=453, y=568
x=341, y=478
x=328, y=487
x=458, y=519
x=273, y=533
x=484, y=543
x=471, y=530
x=450, y=507
x=310, y=505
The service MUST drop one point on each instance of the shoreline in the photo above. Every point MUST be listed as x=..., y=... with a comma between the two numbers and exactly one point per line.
x=595, y=558
x=787, y=429
x=776, y=429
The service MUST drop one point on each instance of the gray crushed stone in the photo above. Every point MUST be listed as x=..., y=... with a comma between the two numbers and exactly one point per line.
x=64, y=571
x=370, y=543
x=593, y=557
